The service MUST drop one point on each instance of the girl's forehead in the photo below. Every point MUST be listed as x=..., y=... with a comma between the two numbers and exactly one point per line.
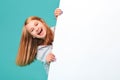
x=32, y=22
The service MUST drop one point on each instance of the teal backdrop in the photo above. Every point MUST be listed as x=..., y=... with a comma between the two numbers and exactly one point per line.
x=12, y=16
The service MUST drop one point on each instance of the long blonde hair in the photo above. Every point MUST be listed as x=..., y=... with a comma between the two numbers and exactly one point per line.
x=28, y=45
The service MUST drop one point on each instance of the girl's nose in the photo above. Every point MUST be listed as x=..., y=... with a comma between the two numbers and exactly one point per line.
x=37, y=29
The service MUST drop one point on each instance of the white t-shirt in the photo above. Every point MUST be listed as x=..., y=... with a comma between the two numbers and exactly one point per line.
x=42, y=52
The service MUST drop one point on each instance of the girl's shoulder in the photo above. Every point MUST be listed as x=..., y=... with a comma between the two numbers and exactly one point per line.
x=52, y=28
x=44, y=47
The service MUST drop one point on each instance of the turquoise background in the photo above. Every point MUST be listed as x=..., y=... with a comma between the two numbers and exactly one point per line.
x=12, y=16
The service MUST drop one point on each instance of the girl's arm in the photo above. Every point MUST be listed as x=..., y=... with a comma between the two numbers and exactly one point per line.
x=45, y=56
x=57, y=13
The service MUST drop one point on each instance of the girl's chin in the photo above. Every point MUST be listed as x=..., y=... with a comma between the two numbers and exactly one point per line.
x=41, y=37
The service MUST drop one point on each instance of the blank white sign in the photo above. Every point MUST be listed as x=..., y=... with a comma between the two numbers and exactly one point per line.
x=87, y=41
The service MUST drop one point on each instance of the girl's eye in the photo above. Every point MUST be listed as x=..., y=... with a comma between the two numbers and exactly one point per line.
x=31, y=29
x=36, y=24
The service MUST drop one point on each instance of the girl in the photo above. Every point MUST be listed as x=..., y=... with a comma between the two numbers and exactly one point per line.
x=36, y=42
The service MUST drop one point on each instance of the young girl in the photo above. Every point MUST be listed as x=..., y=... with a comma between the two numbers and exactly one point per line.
x=36, y=42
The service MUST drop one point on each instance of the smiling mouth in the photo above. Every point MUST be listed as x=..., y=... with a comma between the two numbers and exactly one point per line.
x=40, y=32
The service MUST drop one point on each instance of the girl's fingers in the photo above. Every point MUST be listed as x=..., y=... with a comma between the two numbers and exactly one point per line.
x=58, y=12
x=50, y=57
x=52, y=54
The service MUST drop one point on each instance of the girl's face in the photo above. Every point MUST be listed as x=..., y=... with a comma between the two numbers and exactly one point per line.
x=36, y=29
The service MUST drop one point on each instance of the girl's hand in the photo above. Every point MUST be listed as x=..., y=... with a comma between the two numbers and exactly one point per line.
x=58, y=12
x=50, y=58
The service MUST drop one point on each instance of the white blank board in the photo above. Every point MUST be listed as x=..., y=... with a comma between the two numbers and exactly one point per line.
x=87, y=41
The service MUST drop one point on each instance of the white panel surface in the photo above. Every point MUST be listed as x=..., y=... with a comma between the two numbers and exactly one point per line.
x=87, y=41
